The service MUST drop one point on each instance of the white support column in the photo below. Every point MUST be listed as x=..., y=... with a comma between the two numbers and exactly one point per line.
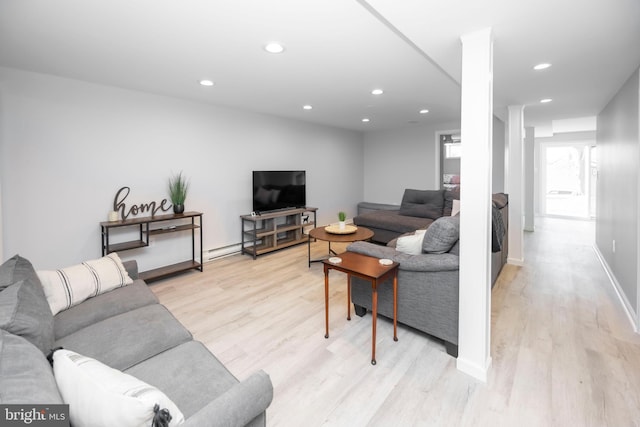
x=474, y=326
x=514, y=184
x=529, y=177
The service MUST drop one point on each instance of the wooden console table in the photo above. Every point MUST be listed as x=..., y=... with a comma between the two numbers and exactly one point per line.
x=368, y=268
x=155, y=225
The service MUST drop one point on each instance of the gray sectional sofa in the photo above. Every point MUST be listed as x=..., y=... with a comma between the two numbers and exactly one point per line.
x=418, y=209
x=428, y=280
x=126, y=329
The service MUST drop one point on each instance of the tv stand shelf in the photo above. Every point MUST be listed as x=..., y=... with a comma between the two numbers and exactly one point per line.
x=152, y=226
x=275, y=230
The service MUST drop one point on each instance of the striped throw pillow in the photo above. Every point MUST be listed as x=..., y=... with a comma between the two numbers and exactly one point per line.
x=70, y=286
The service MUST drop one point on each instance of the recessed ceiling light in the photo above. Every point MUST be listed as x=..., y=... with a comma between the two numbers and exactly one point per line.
x=366, y=120
x=424, y=111
x=542, y=66
x=274, y=47
x=377, y=92
x=206, y=82
x=544, y=101
x=307, y=107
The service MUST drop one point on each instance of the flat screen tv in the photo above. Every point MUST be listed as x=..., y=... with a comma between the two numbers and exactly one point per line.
x=274, y=190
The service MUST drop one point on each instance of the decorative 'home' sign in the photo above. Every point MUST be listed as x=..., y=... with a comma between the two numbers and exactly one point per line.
x=119, y=205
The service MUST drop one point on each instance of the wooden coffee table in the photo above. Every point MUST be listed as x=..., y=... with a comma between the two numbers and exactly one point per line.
x=368, y=268
x=320, y=233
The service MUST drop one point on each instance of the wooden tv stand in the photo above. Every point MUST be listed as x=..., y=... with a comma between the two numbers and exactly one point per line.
x=270, y=231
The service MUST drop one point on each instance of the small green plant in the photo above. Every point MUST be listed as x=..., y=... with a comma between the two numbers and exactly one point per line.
x=178, y=188
x=342, y=216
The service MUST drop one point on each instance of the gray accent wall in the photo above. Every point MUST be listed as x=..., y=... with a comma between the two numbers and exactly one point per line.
x=618, y=142
x=67, y=146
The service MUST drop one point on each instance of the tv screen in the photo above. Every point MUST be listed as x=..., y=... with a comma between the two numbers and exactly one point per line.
x=274, y=190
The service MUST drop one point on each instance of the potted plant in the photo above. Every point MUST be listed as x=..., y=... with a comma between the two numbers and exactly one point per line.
x=178, y=188
x=341, y=217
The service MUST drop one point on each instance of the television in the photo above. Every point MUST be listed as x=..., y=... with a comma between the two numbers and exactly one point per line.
x=278, y=190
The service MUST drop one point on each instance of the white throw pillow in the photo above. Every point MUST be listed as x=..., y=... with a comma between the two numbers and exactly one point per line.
x=411, y=245
x=98, y=395
x=69, y=286
x=456, y=207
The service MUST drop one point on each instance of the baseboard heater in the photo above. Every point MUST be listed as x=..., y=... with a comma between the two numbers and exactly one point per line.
x=211, y=254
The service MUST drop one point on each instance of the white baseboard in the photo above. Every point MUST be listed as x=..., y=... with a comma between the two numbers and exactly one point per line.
x=516, y=261
x=476, y=371
x=626, y=305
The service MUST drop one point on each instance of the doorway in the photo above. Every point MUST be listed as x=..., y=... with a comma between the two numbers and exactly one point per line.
x=568, y=179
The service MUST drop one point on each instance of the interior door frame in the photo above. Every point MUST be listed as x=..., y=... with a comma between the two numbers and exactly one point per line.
x=438, y=154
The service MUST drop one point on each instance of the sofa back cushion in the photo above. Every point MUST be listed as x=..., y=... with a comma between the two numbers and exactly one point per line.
x=25, y=374
x=422, y=203
x=24, y=310
x=442, y=235
x=449, y=197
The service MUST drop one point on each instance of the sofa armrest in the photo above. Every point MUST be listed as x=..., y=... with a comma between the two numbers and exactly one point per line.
x=238, y=405
x=421, y=262
x=132, y=268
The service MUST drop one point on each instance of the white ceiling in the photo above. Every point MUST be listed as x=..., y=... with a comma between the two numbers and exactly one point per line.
x=337, y=51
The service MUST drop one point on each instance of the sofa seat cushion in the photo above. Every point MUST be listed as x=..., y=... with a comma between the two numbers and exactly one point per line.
x=24, y=309
x=25, y=374
x=96, y=309
x=392, y=220
x=126, y=339
x=100, y=396
x=208, y=378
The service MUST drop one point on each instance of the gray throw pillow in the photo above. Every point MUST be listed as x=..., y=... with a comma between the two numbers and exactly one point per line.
x=442, y=235
x=24, y=309
x=422, y=203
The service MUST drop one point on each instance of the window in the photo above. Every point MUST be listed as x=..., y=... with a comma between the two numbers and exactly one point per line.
x=452, y=150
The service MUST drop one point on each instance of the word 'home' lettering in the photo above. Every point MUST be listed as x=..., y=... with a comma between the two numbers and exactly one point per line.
x=119, y=205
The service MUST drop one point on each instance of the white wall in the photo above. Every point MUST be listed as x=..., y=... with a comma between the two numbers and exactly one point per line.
x=67, y=146
x=618, y=141
x=398, y=159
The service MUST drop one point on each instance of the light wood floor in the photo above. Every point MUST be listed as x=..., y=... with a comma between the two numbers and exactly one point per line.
x=564, y=354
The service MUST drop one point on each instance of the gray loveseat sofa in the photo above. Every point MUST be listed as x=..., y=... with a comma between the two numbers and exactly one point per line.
x=428, y=281
x=126, y=329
